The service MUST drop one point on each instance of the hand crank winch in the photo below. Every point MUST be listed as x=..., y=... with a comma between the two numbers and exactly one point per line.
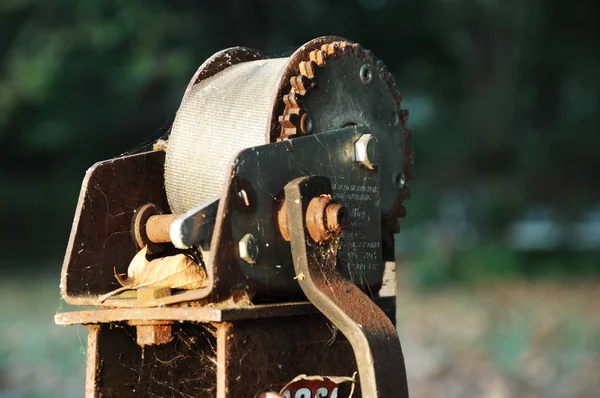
x=281, y=179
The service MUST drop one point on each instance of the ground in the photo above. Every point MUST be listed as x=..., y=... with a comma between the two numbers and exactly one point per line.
x=521, y=339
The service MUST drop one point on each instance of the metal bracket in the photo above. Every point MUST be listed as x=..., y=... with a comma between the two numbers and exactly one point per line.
x=371, y=334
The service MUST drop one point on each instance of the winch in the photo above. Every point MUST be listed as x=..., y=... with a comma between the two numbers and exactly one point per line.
x=281, y=181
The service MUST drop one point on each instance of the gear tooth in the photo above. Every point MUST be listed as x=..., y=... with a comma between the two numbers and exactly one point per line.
x=282, y=121
x=285, y=121
x=344, y=47
x=401, y=213
x=294, y=84
x=405, y=194
x=404, y=116
x=290, y=120
x=307, y=69
x=410, y=158
x=381, y=67
x=398, y=98
x=330, y=49
x=301, y=84
x=287, y=133
x=409, y=173
x=334, y=48
x=358, y=50
x=318, y=57
x=289, y=100
x=409, y=155
x=394, y=225
x=298, y=85
x=389, y=79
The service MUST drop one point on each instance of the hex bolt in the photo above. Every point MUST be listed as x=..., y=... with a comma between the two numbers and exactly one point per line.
x=248, y=249
x=152, y=332
x=366, y=150
x=325, y=217
x=336, y=216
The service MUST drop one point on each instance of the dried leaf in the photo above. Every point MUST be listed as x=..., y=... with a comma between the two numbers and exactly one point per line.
x=176, y=272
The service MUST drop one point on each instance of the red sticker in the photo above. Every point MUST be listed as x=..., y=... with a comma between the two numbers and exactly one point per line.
x=319, y=387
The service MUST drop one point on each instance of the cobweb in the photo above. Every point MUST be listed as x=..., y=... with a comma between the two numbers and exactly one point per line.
x=185, y=367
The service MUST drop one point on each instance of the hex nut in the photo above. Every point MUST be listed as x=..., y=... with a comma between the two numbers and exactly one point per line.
x=325, y=217
x=248, y=249
x=153, y=334
x=336, y=216
x=366, y=150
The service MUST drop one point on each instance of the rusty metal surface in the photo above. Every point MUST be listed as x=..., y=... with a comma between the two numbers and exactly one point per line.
x=372, y=335
x=118, y=367
x=100, y=240
x=262, y=172
x=268, y=353
x=300, y=55
x=158, y=227
x=325, y=217
x=154, y=333
x=196, y=314
x=113, y=189
x=348, y=71
x=218, y=360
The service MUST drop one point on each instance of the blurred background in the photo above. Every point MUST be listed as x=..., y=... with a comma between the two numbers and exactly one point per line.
x=498, y=259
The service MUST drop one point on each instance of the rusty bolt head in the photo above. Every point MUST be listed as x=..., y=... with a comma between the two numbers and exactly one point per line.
x=336, y=216
x=366, y=151
x=324, y=217
x=153, y=334
x=248, y=248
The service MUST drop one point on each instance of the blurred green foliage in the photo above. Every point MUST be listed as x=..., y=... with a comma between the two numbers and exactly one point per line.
x=502, y=94
x=489, y=263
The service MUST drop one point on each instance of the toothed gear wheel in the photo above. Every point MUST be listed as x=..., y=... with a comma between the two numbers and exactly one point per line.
x=337, y=83
x=326, y=84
